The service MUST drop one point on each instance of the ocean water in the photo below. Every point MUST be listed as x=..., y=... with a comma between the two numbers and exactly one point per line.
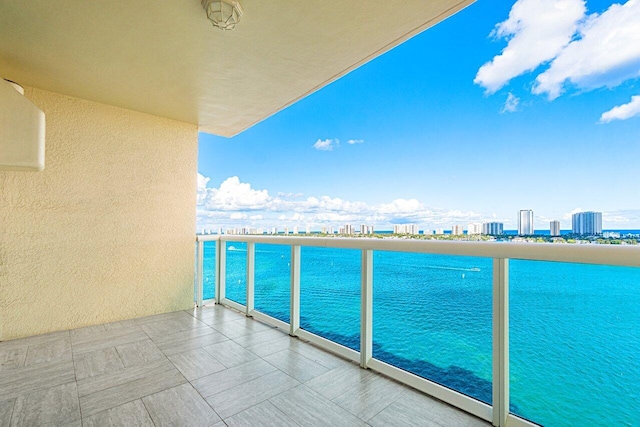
x=574, y=329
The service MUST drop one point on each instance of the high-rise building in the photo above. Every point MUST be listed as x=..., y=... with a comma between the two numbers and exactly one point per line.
x=525, y=222
x=554, y=228
x=493, y=228
x=457, y=230
x=405, y=229
x=366, y=229
x=587, y=223
x=346, y=229
x=474, y=228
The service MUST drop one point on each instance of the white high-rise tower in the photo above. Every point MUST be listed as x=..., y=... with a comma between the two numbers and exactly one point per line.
x=525, y=222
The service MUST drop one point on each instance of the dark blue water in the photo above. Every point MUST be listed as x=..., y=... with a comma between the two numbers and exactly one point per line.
x=574, y=329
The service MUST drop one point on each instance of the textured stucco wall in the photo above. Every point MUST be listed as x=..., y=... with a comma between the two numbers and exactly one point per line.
x=106, y=231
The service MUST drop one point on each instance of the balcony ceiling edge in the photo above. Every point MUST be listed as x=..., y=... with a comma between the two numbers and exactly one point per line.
x=166, y=59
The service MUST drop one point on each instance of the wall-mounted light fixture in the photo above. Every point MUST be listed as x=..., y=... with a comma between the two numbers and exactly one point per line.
x=224, y=14
x=22, y=128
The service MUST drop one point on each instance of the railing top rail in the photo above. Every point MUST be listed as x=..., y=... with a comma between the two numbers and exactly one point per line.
x=621, y=255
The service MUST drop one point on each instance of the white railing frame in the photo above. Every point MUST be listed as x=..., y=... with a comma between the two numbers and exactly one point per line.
x=199, y=274
x=501, y=253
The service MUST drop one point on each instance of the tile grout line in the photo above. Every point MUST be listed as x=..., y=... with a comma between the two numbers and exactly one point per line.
x=75, y=376
x=147, y=410
x=271, y=403
x=205, y=401
x=269, y=398
x=13, y=407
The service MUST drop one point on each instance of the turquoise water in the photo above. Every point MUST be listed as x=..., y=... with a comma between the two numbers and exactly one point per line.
x=574, y=329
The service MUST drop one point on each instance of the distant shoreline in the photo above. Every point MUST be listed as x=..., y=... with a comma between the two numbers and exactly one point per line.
x=628, y=238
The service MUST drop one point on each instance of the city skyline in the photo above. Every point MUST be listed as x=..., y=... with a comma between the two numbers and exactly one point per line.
x=582, y=223
x=464, y=136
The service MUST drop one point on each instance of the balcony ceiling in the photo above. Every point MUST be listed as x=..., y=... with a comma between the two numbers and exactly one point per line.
x=165, y=58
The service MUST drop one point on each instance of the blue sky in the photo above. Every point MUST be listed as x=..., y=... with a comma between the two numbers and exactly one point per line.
x=504, y=106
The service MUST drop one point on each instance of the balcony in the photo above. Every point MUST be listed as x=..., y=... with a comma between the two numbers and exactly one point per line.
x=202, y=367
x=504, y=332
x=102, y=239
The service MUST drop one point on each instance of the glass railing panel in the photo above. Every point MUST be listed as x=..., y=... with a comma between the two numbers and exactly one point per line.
x=330, y=294
x=209, y=271
x=432, y=316
x=272, y=280
x=236, y=272
x=574, y=343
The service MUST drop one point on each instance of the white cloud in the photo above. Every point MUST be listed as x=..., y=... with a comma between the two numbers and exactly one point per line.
x=511, y=104
x=622, y=219
x=326, y=144
x=202, y=188
x=233, y=195
x=569, y=214
x=622, y=112
x=235, y=203
x=401, y=206
x=606, y=53
x=355, y=141
x=537, y=31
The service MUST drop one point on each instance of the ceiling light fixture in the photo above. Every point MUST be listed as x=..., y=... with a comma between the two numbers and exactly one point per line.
x=224, y=14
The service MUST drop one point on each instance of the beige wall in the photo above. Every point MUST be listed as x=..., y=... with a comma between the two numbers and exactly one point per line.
x=106, y=232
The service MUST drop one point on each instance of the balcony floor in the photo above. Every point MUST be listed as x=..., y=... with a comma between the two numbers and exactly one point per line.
x=210, y=367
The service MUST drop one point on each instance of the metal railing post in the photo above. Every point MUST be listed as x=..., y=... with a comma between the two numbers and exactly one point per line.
x=366, y=308
x=221, y=257
x=200, y=274
x=500, y=341
x=294, y=321
x=251, y=270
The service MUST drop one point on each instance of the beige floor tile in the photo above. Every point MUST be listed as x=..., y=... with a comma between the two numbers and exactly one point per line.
x=263, y=415
x=180, y=405
x=188, y=340
x=53, y=406
x=130, y=414
x=99, y=383
x=318, y=355
x=230, y=354
x=261, y=337
x=107, y=339
x=48, y=352
x=222, y=381
x=308, y=408
x=370, y=396
x=233, y=329
x=338, y=381
x=273, y=346
x=16, y=382
x=396, y=415
x=139, y=353
x=11, y=358
x=296, y=365
x=97, y=363
x=196, y=364
x=151, y=383
x=6, y=410
x=246, y=395
x=34, y=340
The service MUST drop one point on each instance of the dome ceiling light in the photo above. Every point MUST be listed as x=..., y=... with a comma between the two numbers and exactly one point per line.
x=224, y=14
